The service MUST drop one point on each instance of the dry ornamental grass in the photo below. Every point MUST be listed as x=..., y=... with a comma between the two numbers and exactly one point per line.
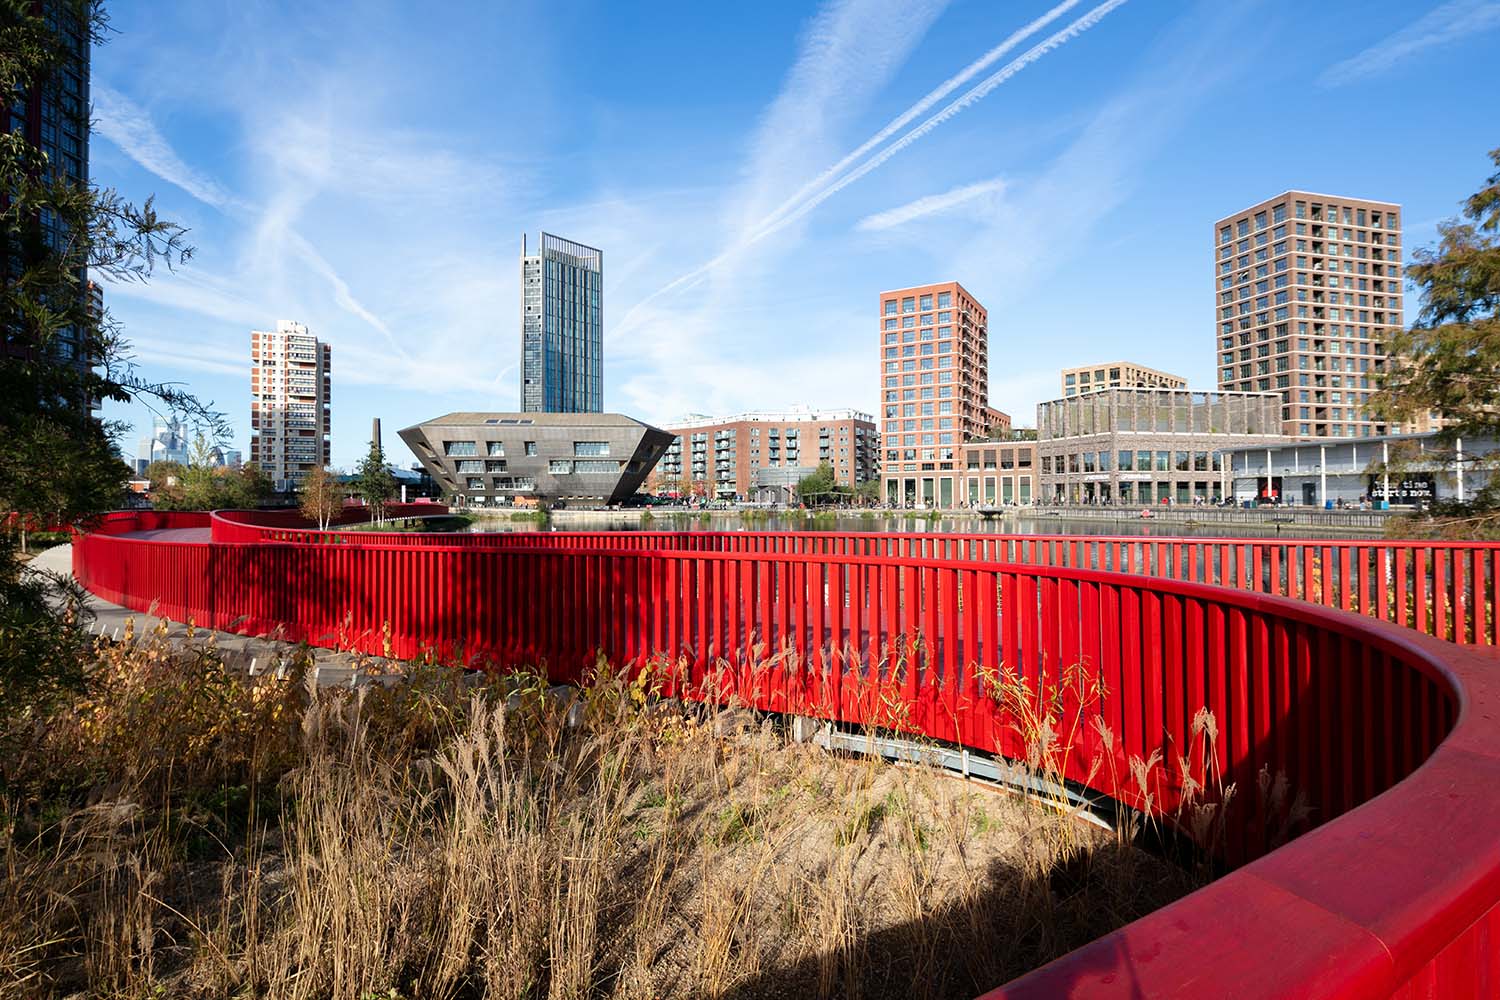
x=184, y=831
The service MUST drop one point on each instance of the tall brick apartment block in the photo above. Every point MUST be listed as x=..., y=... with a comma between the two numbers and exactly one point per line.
x=934, y=391
x=1308, y=296
x=290, y=391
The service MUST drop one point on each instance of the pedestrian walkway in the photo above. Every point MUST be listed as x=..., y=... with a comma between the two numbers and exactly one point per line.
x=252, y=654
x=174, y=534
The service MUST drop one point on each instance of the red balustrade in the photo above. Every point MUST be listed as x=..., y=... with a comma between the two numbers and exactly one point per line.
x=290, y=525
x=1445, y=589
x=1389, y=735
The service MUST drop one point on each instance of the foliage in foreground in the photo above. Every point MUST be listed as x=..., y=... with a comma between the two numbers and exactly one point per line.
x=43, y=637
x=1448, y=363
x=57, y=460
x=180, y=829
x=1450, y=358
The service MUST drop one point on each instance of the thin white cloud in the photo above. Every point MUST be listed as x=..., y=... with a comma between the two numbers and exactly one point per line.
x=933, y=204
x=193, y=357
x=1013, y=243
x=128, y=126
x=1452, y=22
x=342, y=294
x=850, y=50
x=189, y=289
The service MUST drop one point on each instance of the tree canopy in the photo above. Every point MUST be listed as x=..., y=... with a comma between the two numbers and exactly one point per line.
x=321, y=497
x=820, y=488
x=373, y=481
x=62, y=355
x=1449, y=361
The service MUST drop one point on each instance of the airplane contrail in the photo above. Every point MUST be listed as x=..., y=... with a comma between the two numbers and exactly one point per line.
x=941, y=91
x=973, y=96
x=821, y=190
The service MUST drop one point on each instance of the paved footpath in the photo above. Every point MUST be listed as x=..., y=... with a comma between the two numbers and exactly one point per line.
x=174, y=534
x=240, y=652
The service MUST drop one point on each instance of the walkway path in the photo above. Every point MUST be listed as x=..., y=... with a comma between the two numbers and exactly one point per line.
x=240, y=652
x=173, y=535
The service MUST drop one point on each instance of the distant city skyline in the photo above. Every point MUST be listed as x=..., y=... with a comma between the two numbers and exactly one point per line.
x=755, y=175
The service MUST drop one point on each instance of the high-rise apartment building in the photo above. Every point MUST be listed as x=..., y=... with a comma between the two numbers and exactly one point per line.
x=562, y=327
x=934, y=390
x=1308, y=293
x=51, y=116
x=290, y=392
x=745, y=454
x=1116, y=375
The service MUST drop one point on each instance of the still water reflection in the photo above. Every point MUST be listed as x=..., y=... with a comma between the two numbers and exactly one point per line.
x=1025, y=524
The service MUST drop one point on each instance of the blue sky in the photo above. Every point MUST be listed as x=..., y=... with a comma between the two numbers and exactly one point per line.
x=369, y=168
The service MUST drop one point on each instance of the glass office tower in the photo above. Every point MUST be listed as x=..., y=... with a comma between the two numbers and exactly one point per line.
x=52, y=116
x=562, y=327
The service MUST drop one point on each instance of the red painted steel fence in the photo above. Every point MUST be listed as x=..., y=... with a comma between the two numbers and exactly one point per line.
x=1391, y=737
x=268, y=525
x=1445, y=589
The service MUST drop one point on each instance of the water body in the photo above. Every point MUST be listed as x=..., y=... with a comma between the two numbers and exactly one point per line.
x=1018, y=524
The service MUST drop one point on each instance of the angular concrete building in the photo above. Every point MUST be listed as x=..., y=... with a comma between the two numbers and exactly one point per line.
x=490, y=459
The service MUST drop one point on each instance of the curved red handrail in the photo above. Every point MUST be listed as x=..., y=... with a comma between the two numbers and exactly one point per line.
x=1449, y=589
x=269, y=525
x=1392, y=734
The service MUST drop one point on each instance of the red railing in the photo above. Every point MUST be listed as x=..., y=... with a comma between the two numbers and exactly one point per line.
x=1444, y=589
x=119, y=522
x=1389, y=735
x=290, y=525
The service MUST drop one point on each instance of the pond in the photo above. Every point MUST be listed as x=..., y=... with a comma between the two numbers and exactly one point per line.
x=1009, y=524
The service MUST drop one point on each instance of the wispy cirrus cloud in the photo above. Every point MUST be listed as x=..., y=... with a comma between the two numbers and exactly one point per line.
x=932, y=204
x=431, y=307
x=1452, y=22
x=847, y=53
x=302, y=169
x=969, y=98
x=130, y=127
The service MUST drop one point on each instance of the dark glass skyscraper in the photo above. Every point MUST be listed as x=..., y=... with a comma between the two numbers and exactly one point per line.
x=51, y=115
x=562, y=327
